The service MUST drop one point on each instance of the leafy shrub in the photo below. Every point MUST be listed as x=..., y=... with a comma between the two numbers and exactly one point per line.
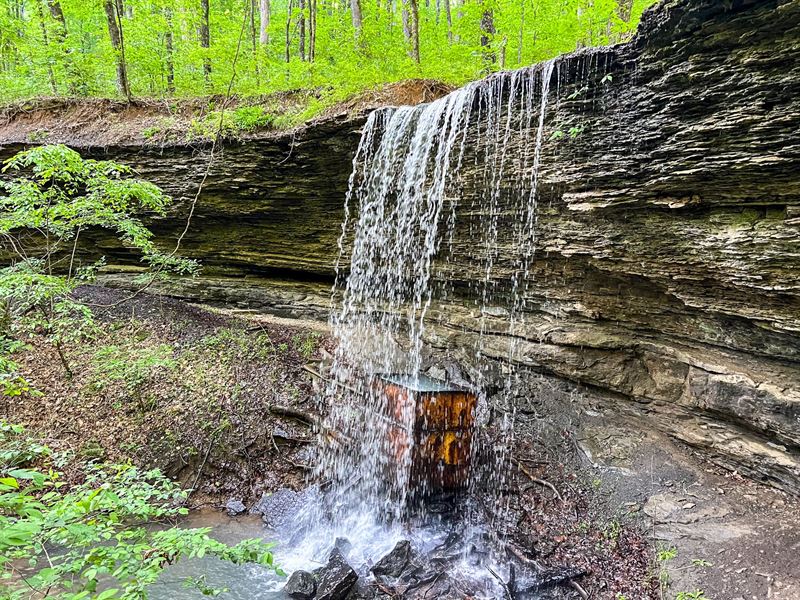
x=70, y=539
x=230, y=123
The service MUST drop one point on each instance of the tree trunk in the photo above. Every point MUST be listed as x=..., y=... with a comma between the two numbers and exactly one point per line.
x=115, y=33
x=265, y=14
x=288, y=31
x=405, y=17
x=73, y=76
x=487, y=33
x=520, y=34
x=415, y=30
x=301, y=25
x=312, y=30
x=205, y=39
x=355, y=13
x=45, y=39
x=448, y=15
x=170, y=51
x=624, y=8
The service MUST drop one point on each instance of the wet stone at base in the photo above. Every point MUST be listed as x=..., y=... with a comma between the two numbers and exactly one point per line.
x=335, y=579
x=301, y=585
x=394, y=563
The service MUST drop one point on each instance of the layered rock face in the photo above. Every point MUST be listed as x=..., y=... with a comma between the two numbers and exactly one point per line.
x=665, y=277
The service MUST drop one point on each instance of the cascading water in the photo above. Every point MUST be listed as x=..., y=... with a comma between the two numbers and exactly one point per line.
x=403, y=226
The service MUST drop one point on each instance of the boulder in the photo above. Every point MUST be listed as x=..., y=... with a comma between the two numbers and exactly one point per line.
x=301, y=585
x=335, y=579
x=394, y=563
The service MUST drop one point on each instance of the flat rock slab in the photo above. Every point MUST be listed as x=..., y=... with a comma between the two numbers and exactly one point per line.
x=282, y=507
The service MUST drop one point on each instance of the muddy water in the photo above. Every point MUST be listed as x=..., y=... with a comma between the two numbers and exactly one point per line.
x=243, y=582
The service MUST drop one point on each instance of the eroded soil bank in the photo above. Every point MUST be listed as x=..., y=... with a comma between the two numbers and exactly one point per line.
x=222, y=401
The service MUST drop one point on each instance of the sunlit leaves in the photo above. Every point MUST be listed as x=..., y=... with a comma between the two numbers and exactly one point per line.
x=82, y=61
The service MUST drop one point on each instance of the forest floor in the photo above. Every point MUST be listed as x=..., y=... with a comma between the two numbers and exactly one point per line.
x=106, y=122
x=200, y=394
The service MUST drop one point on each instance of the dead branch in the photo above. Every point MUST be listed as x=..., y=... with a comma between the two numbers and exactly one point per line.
x=520, y=555
x=293, y=413
x=509, y=594
x=538, y=481
x=577, y=587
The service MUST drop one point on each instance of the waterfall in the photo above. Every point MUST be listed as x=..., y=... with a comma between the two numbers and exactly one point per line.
x=402, y=213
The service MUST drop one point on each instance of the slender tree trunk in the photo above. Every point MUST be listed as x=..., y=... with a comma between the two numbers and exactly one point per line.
x=415, y=30
x=301, y=25
x=46, y=40
x=288, y=31
x=624, y=8
x=487, y=33
x=448, y=15
x=73, y=76
x=405, y=17
x=355, y=14
x=205, y=39
x=254, y=37
x=312, y=30
x=264, y=9
x=459, y=16
x=520, y=34
x=170, y=49
x=115, y=34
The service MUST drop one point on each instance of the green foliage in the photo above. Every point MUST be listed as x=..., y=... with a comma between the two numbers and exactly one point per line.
x=696, y=595
x=130, y=365
x=700, y=562
x=230, y=123
x=55, y=196
x=231, y=344
x=41, y=56
x=306, y=344
x=62, y=542
x=666, y=554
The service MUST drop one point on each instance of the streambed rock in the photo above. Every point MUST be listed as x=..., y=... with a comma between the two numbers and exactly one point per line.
x=335, y=579
x=235, y=507
x=394, y=563
x=301, y=585
x=665, y=276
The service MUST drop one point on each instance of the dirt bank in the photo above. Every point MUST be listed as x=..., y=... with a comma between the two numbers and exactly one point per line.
x=101, y=122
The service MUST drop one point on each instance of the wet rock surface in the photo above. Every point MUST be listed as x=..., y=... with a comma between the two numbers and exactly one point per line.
x=301, y=585
x=335, y=579
x=280, y=509
x=235, y=507
x=668, y=226
x=394, y=563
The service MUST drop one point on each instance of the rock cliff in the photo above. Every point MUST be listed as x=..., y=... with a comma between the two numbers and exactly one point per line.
x=666, y=275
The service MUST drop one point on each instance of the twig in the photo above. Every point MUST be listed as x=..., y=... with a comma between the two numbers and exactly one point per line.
x=296, y=465
x=200, y=470
x=293, y=413
x=385, y=589
x=517, y=553
x=577, y=587
x=534, y=479
x=506, y=589
x=321, y=377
